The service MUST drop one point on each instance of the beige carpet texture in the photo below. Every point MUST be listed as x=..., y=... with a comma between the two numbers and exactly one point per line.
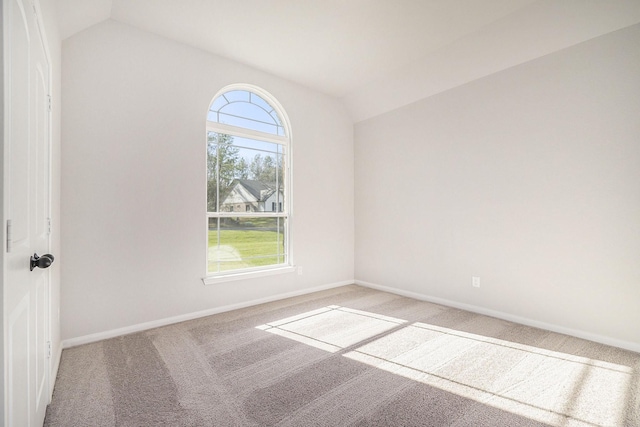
x=348, y=356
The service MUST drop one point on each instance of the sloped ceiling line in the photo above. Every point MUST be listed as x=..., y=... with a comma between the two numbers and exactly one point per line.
x=377, y=55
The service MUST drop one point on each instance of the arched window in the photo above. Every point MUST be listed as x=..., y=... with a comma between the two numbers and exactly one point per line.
x=248, y=183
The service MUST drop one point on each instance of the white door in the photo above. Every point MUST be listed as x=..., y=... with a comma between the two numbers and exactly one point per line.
x=26, y=188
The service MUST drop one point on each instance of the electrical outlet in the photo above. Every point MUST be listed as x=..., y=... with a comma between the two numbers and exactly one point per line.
x=475, y=282
x=299, y=271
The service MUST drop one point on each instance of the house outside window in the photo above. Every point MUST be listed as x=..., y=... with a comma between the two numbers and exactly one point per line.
x=248, y=176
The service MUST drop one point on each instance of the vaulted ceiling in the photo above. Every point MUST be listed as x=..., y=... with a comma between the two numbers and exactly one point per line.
x=374, y=54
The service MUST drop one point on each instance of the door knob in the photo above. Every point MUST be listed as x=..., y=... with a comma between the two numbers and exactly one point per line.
x=43, y=261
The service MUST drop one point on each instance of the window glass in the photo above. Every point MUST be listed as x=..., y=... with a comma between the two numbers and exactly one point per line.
x=247, y=110
x=247, y=190
x=246, y=242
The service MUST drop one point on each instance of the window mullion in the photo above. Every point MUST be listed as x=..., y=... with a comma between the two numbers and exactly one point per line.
x=246, y=133
x=218, y=243
x=217, y=175
x=242, y=214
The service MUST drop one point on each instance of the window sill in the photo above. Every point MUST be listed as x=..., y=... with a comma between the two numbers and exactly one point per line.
x=213, y=280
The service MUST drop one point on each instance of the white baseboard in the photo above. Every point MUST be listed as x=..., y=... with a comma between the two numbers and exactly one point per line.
x=86, y=339
x=627, y=345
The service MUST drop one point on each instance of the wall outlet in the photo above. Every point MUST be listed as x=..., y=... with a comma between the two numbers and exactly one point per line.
x=299, y=271
x=475, y=282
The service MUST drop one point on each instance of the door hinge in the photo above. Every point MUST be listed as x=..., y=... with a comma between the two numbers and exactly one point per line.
x=9, y=235
x=48, y=349
x=49, y=102
x=49, y=226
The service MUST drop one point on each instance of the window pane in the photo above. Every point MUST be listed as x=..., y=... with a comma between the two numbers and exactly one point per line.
x=217, y=105
x=221, y=166
x=247, y=110
x=242, y=179
x=237, y=96
x=236, y=243
x=255, y=99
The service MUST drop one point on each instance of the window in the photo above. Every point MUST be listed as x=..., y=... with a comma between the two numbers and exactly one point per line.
x=248, y=164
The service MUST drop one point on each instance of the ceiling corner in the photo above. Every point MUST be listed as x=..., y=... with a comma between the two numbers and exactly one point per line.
x=78, y=15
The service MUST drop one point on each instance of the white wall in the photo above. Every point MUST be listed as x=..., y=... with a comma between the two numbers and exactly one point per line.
x=528, y=178
x=133, y=181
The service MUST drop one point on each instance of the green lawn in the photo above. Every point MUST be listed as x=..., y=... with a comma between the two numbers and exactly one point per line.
x=244, y=248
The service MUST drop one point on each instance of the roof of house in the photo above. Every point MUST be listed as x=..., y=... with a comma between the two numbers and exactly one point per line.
x=260, y=190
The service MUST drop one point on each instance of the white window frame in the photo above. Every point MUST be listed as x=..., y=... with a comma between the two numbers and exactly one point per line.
x=287, y=213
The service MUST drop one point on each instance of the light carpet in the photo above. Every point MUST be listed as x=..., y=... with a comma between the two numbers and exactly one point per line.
x=349, y=356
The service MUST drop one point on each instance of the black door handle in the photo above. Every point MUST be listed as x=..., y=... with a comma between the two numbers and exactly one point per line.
x=43, y=261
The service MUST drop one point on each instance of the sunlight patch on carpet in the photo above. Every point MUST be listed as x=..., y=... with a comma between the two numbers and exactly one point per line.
x=332, y=328
x=552, y=387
